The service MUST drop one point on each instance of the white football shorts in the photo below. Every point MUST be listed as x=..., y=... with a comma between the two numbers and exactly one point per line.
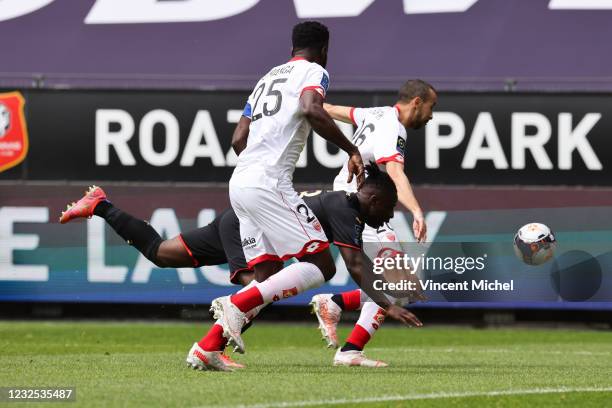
x=275, y=224
x=379, y=239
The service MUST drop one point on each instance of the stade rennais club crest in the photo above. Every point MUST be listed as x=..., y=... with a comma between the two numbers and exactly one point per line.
x=13, y=130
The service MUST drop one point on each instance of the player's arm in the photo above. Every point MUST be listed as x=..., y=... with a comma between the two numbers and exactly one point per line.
x=241, y=134
x=311, y=106
x=405, y=195
x=337, y=112
x=354, y=260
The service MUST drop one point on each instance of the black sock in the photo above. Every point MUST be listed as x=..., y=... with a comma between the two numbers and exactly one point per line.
x=350, y=346
x=246, y=326
x=337, y=299
x=136, y=232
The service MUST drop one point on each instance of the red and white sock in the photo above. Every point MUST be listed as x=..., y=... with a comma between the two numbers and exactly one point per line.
x=370, y=320
x=214, y=340
x=351, y=300
x=290, y=281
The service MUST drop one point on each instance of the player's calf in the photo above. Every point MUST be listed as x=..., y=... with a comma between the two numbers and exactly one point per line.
x=370, y=320
x=134, y=231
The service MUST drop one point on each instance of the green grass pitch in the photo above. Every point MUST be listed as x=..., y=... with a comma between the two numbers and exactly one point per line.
x=142, y=364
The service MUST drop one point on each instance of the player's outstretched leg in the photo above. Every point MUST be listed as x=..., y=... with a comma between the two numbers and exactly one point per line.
x=351, y=354
x=328, y=308
x=138, y=233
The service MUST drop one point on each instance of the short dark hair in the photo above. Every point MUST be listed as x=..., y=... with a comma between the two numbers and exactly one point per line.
x=413, y=88
x=380, y=180
x=309, y=34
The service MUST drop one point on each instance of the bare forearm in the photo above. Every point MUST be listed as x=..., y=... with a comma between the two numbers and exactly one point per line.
x=337, y=112
x=405, y=194
x=323, y=124
x=356, y=267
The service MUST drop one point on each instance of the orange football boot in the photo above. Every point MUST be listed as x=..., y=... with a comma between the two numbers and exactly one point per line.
x=85, y=206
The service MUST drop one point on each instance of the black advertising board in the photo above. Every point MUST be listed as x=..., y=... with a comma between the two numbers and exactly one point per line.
x=161, y=136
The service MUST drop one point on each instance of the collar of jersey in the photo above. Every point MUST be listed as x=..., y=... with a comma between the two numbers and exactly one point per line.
x=354, y=202
x=297, y=59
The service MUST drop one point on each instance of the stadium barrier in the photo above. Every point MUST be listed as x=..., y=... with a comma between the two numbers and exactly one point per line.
x=165, y=156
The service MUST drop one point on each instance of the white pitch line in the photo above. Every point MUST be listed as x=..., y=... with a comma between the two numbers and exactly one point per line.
x=496, y=350
x=409, y=397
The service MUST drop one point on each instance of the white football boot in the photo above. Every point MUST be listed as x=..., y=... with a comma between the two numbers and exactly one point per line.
x=328, y=314
x=207, y=360
x=356, y=358
x=232, y=320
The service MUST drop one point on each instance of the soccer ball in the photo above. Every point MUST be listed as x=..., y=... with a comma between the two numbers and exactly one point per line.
x=534, y=243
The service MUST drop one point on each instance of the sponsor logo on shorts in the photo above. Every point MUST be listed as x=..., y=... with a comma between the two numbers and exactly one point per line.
x=391, y=237
x=248, y=242
x=317, y=225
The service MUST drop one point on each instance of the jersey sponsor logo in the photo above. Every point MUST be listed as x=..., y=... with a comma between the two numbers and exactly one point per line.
x=248, y=242
x=325, y=82
x=13, y=130
x=401, y=145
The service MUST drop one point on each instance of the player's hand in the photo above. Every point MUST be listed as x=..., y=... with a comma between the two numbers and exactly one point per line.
x=419, y=227
x=355, y=168
x=396, y=275
x=404, y=316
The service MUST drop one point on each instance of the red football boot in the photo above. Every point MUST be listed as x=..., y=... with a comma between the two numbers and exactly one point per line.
x=85, y=206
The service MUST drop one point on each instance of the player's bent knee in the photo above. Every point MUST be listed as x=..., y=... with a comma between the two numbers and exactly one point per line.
x=266, y=269
x=171, y=254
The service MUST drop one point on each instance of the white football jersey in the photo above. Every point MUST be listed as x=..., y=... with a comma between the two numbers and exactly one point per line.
x=380, y=137
x=278, y=129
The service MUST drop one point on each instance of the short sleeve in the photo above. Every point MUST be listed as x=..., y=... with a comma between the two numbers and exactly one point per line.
x=357, y=115
x=316, y=79
x=248, y=106
x=247, y=112
x=390, y=144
